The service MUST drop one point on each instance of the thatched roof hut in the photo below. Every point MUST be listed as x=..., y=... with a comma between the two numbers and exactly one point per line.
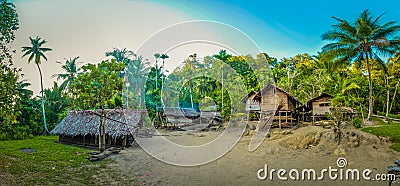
x=78, y=125
x=179, y=117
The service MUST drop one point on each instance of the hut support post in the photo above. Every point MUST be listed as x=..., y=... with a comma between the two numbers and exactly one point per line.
x=291, y=118
x=286, y=116
x=124, y=141
x=313, y=119
x=280, y=120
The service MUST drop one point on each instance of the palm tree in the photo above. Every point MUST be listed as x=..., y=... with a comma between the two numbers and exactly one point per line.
x=72, y=71
x=22, y=90
x=204, y=85
x=392, y=66
x=138, y=70
x=156, y=56
x=363, y=40
x=223, y=56
x=36, y=52
x=120, y=55
x=190, y=69
x=163, y=57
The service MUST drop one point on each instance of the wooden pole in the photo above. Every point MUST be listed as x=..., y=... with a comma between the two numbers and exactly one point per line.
x=124, y=141
x=291, y=118
x=286, y=116
x=280, y=120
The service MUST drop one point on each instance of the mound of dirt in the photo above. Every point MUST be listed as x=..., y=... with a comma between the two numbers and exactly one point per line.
x=325, y=139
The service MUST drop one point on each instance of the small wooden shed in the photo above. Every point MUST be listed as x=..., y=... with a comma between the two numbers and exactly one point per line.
x=82, y=127
x=252, y=105
x=316, y=108
x=321, y=104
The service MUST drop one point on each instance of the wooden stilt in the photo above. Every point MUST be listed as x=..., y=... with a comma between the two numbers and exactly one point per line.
x=291, y=118
x=280, y=126
x=286, y=116
x=124, y=141
x=313, y=119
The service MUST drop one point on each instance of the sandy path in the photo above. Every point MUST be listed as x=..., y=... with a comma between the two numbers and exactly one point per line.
x=239, y=166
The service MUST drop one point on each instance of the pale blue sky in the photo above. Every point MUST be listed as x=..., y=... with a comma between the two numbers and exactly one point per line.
x=89, y=28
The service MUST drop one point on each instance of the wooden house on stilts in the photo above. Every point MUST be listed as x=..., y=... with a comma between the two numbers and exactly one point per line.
x=276, y=100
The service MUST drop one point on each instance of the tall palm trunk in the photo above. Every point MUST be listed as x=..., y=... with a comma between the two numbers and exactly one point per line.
x=44, y=114
x=156, y=74
x=162, y=72
x=191, y=95
x=394, y=95
x=162, y=81
x=370, y=104
x=387, y=96
x=222, y=89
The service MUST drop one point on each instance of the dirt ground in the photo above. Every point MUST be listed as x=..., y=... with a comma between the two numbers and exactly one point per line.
x=307, y=147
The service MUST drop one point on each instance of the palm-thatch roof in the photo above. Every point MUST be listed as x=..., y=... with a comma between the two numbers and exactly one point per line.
x=119, y=122
x=180, y=112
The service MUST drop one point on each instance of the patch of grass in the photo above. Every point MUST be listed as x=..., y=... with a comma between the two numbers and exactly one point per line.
x=51, y=164
x=395, y=146
x=390, y=131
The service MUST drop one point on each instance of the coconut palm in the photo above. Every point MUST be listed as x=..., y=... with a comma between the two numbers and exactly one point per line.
x=364, y=40
x=204, y=85
x=71, y=72
x=157, y=56
x=137, y=70
x=22, y=90
x=120, y=55
x=223, y=56
x=163, y=57
x=36, y=52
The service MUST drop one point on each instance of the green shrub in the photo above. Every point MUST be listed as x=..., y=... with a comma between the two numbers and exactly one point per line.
x=357, y=122
x=329, y=116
